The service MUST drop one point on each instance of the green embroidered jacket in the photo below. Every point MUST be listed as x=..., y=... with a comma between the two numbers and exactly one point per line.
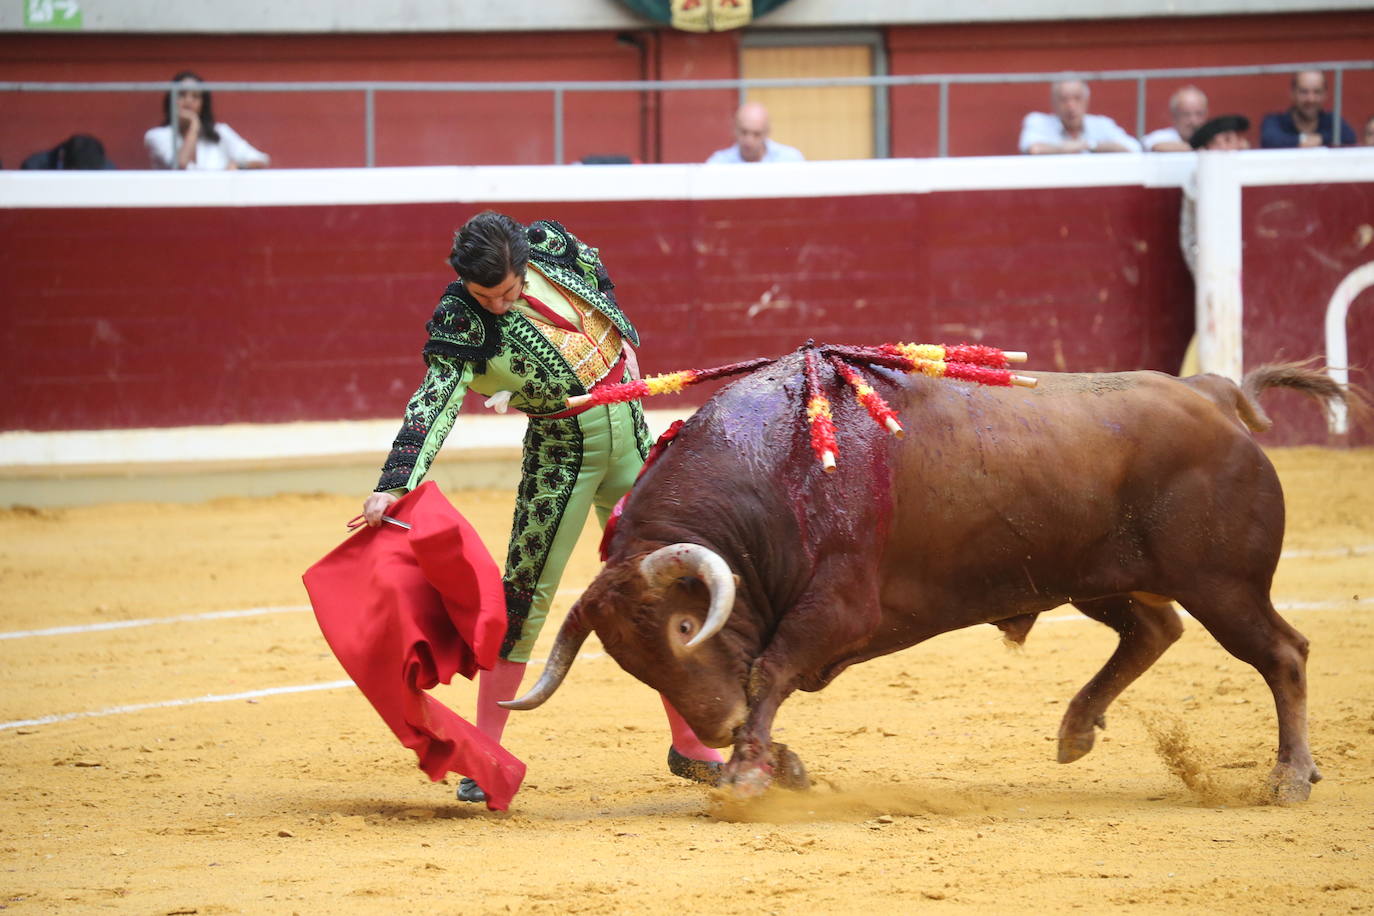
x=470, y=348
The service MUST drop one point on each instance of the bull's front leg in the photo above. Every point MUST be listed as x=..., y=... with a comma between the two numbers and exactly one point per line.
x=756, y=759
x=807, y=642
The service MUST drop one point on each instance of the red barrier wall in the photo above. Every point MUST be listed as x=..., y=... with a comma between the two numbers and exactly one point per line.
x=1300, y=243
x=125, y=318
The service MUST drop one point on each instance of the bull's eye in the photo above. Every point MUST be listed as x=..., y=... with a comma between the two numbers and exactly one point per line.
x=684, y=627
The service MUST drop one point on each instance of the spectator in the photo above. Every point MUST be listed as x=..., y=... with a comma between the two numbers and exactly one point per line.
x=1070, y=129
x=1188, y=108
x=79, y=151
x=1221, y=134
x=751, y=140
x=1304, y=124
x=1369, y=131
x=201, y=142
x=1226, y=132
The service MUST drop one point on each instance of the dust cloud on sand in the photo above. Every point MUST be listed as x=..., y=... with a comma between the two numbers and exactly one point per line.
x=190, y=781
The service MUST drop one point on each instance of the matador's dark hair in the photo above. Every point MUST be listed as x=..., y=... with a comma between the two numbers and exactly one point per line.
x=488, y=247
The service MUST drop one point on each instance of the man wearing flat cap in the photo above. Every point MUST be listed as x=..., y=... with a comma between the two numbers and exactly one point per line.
x=1226, y=132
x=1220, y=134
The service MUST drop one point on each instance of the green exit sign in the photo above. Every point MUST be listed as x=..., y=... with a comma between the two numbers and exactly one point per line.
x=52, y=14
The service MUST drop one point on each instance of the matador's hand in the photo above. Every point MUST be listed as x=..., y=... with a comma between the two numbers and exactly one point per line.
x=375, y=506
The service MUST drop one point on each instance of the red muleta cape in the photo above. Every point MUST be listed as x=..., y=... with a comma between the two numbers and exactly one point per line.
x=406, y=610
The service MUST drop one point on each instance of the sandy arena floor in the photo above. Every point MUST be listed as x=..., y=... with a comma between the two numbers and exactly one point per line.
x=173, y=793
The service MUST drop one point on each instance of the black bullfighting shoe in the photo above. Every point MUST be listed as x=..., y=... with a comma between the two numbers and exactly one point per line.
x=470, y=791
x=707, y=771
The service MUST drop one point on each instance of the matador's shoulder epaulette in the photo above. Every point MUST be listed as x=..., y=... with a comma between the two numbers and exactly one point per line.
x=461, y=328
x=576, y=266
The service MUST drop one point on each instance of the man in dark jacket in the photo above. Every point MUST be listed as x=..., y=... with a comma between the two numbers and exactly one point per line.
x=1305, y=124
x=79, y=151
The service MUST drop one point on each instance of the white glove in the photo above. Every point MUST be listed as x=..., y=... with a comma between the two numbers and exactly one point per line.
x=499, y=402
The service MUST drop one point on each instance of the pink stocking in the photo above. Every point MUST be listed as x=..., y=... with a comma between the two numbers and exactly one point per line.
x=684, y=739
x=499, y=683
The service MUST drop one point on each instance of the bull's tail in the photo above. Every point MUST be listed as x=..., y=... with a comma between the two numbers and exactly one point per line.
x=1299, y=376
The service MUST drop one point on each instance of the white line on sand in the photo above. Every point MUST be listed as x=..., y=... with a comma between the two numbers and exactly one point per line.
x=149, y=621
x=189, y=701
x=1351, y=551
x=1288, y=606
x=179, y=618
x=210, y=698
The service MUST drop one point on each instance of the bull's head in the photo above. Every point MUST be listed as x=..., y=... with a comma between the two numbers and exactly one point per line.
x=655, y=617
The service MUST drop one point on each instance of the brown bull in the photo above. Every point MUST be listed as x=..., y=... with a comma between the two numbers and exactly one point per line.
x=741, y=572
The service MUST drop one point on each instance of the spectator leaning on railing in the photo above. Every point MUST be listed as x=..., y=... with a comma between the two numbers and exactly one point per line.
x=202, y=143
x=752, y=143
x=1225, y=133
x=1188, y=110
x=1304, y=124
x=1070, y=129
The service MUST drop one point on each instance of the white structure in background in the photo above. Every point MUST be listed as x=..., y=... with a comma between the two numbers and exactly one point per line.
x=1220, y=311
x=1337, y=356
x=378, y=16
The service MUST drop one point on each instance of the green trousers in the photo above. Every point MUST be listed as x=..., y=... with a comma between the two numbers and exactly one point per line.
x=569, y=467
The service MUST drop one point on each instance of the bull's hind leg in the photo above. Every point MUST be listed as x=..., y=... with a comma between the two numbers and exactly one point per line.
x=1245, y=623
x=1146, y=625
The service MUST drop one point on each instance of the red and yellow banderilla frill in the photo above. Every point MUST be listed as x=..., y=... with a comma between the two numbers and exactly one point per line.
x=964, y=362
x=823, y=441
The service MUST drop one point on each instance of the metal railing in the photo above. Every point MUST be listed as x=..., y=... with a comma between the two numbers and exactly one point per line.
x=560, y=89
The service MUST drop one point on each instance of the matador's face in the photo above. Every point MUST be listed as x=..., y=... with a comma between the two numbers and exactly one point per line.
x=498, y=299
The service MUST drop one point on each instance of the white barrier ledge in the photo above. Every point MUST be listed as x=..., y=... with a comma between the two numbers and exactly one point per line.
x=567, y=183
x=1220, y=178
x=248, y=442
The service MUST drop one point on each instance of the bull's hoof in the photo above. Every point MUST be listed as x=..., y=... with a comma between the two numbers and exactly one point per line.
x=1076, y=742
x=1289, y=786
x=788, y=769
x=1075, y=745
x=750, y=783
x=704, y=771
x=470, y=791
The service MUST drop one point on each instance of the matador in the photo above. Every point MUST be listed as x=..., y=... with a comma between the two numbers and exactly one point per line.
x=532, y=320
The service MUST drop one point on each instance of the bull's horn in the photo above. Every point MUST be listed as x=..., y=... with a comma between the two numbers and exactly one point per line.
x=570, y=638
x=677, y=560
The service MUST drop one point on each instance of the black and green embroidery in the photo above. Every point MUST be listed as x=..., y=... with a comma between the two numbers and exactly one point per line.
x=549, y=467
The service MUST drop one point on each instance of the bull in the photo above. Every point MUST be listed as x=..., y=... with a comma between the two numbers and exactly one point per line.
x=740, y=571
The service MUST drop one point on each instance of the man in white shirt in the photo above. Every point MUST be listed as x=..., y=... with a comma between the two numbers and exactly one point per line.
x=751, y=140
x=1188, y=108
x=1070, y=129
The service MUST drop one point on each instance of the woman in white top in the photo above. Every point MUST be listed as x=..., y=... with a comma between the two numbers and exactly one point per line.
x=201, y=144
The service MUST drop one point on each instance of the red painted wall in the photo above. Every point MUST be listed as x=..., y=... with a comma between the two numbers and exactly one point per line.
x=1314, y=235
x=147, y=317
x=169, y=317
x=324, y=130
